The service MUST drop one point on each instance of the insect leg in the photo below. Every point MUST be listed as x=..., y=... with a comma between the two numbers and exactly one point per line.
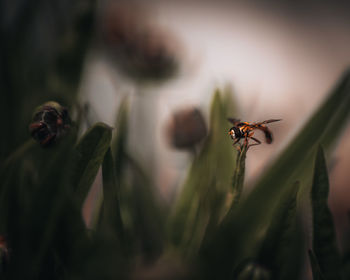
x=246, y=140
x=258, y=142
x=236, y=141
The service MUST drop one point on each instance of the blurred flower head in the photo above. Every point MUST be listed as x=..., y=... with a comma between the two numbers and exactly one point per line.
x=186, y=128
x=142, y=50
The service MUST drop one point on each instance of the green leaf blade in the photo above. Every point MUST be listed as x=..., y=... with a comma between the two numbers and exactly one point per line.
x=316, y=271
x=237, y=238
x=119, y=142
x=324, y=236
x=207, y=183
x=91, y=151
x=237, y=181
x=111, y=215
x=281, y=224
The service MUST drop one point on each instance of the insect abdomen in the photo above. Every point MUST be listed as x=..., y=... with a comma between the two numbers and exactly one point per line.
x=268, y=137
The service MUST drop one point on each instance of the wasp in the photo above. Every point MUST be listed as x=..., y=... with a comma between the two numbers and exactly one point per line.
x=245, y=130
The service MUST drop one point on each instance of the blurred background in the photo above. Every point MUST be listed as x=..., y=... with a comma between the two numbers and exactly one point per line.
x=279, y=59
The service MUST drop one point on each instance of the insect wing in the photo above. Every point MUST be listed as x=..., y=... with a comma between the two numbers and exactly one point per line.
x=234, y=121
x=270, y=121
x=267, y=132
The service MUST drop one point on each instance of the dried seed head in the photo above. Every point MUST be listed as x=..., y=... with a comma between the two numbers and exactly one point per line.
x=186, y=128
x=50, y=122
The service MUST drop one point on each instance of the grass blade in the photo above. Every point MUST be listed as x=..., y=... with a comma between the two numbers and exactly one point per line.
x=237, y=181
x=282, y=249
x=282, y=220
x=208, y=182
x=238, y=177
x=119, y=142
x=324, y=237
x=316, y=271
x=147, y=212
x=111, y=216
x=37, y=206
x=91, y=150
x=237, y=238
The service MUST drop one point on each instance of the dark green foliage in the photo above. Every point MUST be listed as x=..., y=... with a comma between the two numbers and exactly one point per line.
x=111, y=216
x=141, y=211
x=324, y=236
x=238, y=180
x=40, y=211
x=282, y=246
x=119, y=142
x=238, y=239
x=221, y=234
x=253, y=271
x=39, y=61
x=280, y=253
x=147, y=213
x=90, y=153
x=346, y=256
x=202, y=202
x=238, y=176
x=316, y=271
x=214, y=230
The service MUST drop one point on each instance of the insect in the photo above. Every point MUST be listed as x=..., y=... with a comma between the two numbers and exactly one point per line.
x=245, y=130
x=50, y=122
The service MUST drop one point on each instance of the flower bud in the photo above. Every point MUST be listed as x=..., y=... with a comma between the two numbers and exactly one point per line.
x=49, y=123
x=186, y=128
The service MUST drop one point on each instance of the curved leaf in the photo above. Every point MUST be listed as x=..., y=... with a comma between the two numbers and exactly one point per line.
x=276, y=248
x=111, y=216
x=208, y=182
x=91, y=150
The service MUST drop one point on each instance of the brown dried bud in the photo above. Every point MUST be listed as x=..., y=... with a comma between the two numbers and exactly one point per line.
x=50, y=122
x=186, y=128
